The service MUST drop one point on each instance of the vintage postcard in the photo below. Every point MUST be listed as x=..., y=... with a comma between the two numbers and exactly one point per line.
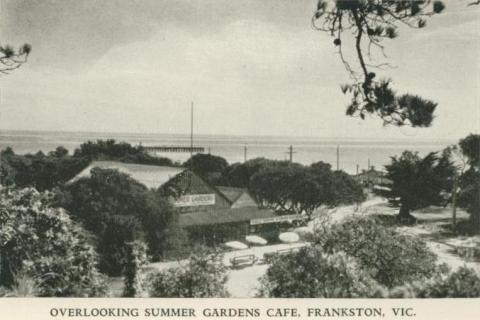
x=259, y=159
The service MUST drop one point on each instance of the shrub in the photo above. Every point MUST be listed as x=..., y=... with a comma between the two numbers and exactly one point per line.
x=203, y=276
x=390, y=257
x=42, y=243
x=310, y=273
x=463, y=283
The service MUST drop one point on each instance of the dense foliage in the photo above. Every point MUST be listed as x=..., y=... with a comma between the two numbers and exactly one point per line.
x=119, y=151
x=469, y=195
x=118, y=209
x=470, y=147
x=418, y=182
x=203, y=276
x=45, y=172
x=310, y=273
x=42, y=243
x=133, y=277
x=463, y=283
x=208, y=166
x=391, y=258
x=40, y=171
x=293, y=188
x=239, y=174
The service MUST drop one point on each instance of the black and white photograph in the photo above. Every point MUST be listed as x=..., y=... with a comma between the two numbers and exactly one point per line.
x=240, y=149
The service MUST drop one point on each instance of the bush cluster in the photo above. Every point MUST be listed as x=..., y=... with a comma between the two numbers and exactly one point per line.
x=391, y=258
x=42, y=243
x=203, y=276
x=310, y=273
x=463, y=283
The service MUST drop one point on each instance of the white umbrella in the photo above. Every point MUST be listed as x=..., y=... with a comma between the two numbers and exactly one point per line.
x=256, y=240
x=288, y=237
x=301, y=231
x=236, y=245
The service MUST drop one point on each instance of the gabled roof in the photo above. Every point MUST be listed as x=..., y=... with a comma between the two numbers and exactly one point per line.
x=223, y=216
x=231, y=193
x=149, y=175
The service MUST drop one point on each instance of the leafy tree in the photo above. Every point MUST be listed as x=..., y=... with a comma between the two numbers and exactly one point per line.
x=389, y=257
x=208, y=166
x=118, y=209
x=469, y=196
x=418, y=182
x=294, y=188
x=239, y=174
x=41, y=171
x=311, y=273
x=45, y=172
x=204, y=276
x=11, y=59
x=346, y=189
x=43, y=243
x=119, y=151
x=371, y=22
x=470, y=147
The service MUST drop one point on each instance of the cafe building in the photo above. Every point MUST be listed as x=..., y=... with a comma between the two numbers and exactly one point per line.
x=210, y=214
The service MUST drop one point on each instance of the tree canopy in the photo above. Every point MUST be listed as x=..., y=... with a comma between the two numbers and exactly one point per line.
x=119, y=151
x=117, y=209
x=293, y=188
x=469, y=195
x=11, y=59
x=208, y=166
x=418, y=182
x=371, y=22
x=46, y=171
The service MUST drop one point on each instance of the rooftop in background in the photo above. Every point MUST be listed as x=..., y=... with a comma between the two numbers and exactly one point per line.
x=231, y=193
x=149, y=175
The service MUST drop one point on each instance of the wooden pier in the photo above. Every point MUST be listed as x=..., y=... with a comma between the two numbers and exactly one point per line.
x=173, y=149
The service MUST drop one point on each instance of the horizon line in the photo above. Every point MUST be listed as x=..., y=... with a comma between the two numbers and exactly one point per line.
x=230, y=135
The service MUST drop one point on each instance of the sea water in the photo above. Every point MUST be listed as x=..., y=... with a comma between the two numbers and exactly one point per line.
x=306, y=150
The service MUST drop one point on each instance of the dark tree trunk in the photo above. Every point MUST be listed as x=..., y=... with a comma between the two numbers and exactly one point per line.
x=404, y=215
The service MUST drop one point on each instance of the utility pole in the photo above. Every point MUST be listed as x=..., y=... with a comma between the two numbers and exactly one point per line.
x=454, y=203
x=191, y=146
x=245, y=154
x=357, y=169
x=368, y=168
x=191, y=131
x=291, y=152
x=338, y=157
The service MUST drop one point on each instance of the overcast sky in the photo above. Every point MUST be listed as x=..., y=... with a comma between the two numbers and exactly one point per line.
x=251, y=68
